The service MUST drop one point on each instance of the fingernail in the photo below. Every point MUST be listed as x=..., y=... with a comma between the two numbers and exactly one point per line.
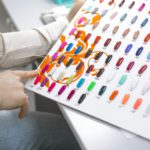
x=37, y=71
x=21, y=115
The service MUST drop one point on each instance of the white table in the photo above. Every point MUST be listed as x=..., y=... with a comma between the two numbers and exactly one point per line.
x=91, y=134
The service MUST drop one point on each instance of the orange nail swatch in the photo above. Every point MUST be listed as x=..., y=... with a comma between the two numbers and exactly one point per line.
x=137, y=104
x=113, y=95
x=125, y=99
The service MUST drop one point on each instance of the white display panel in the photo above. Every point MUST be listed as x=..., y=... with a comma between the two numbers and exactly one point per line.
x=125, y=104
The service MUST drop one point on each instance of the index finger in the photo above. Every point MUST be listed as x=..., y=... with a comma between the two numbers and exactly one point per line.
x=26, y=74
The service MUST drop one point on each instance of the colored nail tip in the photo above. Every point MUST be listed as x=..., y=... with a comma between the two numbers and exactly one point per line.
x=52, y=86
x=63, y=45
x=54, y=56
x=81, y=20
x=137, y=104
x=45, y=68
x=37, y=80
x=72, y=31
x=43, y=83
x=82, y=98
x=71, y=94
x=113, y=95
x=62, y=89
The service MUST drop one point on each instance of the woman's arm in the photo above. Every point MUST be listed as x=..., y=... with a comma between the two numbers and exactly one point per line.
x=20, y=48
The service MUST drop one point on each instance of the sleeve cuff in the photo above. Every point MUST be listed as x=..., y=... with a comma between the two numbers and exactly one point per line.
x=51, y=32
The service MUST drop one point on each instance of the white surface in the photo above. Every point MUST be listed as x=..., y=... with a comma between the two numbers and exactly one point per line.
x=92, y=135
x=95, y=135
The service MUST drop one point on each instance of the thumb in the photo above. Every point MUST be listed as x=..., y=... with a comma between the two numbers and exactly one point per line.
x=26, y=74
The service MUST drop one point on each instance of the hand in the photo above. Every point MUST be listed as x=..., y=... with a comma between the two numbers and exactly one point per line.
x=74, y=9
x=12, y=93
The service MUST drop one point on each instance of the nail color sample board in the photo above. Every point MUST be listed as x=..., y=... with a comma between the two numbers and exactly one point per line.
x=100, y=65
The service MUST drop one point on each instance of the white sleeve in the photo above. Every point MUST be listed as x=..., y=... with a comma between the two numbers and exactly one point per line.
x=20, y=48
